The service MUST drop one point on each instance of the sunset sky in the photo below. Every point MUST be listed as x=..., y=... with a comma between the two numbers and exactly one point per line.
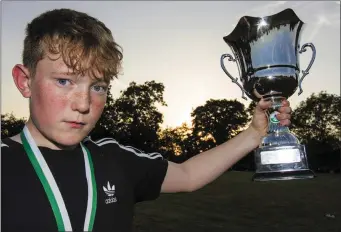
x=179, y=43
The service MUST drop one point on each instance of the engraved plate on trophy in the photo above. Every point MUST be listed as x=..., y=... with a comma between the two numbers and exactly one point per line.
x=281, y=157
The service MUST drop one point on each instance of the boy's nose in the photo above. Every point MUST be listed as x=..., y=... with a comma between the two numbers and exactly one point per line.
x=81, y=102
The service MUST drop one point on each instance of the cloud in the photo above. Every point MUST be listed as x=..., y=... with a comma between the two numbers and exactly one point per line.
x=325, y=19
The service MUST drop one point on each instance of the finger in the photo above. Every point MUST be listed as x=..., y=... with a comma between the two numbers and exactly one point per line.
x=283, y=116
x=285, y=109
x=285, y=102
x=285, y=122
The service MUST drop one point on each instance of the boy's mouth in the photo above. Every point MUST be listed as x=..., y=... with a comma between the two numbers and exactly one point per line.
x=75, y=124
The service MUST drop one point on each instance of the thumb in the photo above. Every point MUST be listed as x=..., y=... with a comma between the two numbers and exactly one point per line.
x=263, y=105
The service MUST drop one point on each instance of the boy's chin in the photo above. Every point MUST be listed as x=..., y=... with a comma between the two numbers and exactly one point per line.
x=66, y=143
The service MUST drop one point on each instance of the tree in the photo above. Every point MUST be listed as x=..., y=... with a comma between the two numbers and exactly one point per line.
x=10, y=125
x=174, y=142
x=133, y=118
x=251, y=109
x=318, y=118
x=219, y=120
x=316, y=122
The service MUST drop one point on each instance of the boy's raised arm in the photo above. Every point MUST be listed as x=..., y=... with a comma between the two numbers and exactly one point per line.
x=202, y=169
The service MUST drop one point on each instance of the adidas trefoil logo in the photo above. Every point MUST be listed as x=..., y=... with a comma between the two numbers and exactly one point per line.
x=110, y=191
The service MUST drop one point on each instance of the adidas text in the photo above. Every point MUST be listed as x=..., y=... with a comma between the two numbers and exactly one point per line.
x=110, y=200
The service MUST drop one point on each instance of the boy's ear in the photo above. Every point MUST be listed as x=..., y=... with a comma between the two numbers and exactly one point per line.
x=21, y=77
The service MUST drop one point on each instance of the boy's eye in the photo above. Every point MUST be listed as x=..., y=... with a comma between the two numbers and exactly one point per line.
x=100, y=89
x=63, y=81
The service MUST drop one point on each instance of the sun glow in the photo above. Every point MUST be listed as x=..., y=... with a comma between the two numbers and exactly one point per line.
x=262, y=23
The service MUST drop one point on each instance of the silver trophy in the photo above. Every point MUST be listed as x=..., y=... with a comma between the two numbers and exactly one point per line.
x=266, y=51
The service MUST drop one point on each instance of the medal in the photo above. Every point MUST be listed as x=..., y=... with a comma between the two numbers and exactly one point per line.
x=50, y=186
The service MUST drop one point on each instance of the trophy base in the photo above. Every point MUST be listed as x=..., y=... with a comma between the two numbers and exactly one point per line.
x=289, y=175
x=282, y=162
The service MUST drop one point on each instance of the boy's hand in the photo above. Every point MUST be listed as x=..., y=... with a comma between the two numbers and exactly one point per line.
x=260, y=119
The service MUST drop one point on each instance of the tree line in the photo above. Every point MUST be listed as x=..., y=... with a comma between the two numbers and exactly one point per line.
x=134, y=119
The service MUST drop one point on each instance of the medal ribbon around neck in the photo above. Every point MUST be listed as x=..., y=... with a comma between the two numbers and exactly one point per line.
x=51, y=188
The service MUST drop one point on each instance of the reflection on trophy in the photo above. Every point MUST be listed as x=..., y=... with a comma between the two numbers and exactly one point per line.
x=266, y=51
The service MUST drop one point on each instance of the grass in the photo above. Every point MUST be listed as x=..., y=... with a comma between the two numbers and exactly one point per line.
x=234, y=203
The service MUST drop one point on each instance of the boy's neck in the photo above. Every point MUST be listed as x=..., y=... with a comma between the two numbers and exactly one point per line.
x=40, y=139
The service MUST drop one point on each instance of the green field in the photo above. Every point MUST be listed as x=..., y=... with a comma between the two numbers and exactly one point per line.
x=235, y=203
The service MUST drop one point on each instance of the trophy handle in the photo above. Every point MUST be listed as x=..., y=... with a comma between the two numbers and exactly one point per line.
x=234, y=80
x=306, y=72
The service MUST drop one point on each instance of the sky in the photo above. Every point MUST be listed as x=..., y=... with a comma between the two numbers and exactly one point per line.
x=179, y=43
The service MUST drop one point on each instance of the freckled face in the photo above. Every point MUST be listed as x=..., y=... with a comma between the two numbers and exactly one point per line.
x=65, y=108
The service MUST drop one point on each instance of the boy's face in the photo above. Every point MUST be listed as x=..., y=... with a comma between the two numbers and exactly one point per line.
x=65, y=107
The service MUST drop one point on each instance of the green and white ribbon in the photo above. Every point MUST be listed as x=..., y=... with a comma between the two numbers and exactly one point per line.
x=273, y=118
x=51, y=188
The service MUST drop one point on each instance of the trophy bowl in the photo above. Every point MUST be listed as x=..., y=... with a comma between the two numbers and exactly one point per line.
x=266, y=50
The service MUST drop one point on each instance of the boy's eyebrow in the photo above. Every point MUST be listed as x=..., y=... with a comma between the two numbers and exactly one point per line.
x=96, y=81
x=64, y=73
x=100, y=82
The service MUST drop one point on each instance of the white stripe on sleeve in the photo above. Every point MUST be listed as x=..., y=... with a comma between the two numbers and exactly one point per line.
x=4, y=145
x=136, y=151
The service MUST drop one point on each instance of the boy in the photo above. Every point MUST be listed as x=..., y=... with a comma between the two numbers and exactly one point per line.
x=56, y=179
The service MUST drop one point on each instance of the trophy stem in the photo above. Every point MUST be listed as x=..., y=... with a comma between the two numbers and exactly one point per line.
x=274, y=125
